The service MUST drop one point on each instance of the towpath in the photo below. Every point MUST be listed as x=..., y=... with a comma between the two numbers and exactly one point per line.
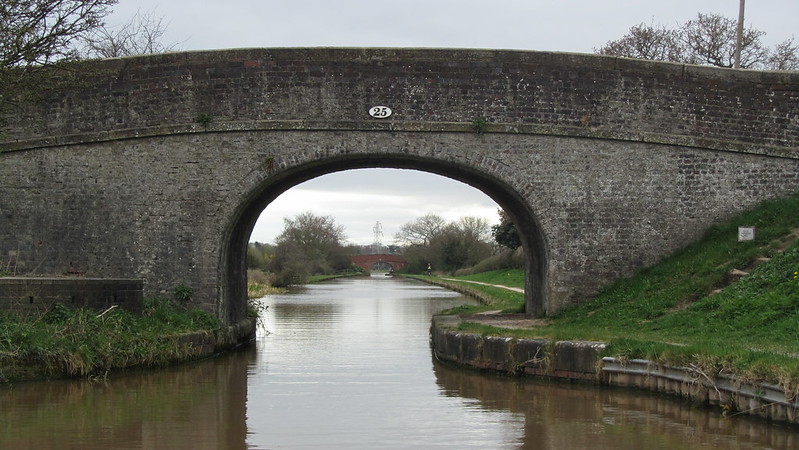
x=514, y=289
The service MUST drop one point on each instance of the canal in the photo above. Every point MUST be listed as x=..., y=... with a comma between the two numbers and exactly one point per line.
x=347, y=364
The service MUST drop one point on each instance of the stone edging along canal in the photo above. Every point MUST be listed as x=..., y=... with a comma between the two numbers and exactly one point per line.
x=188, y=346
x=579, y=360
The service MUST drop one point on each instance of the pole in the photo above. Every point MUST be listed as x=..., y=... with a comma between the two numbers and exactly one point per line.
x=739, y=35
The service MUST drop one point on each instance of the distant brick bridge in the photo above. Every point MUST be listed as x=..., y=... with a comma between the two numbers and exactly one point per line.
x=368, y=262
x=157, y=167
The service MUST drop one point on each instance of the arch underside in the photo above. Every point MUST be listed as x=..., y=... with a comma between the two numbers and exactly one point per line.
x=501, y=192
x=381, y=266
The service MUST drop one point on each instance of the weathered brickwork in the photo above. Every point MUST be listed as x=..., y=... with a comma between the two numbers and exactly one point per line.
x=38, y=295
x=368, y=262
x=521, y=88
x=605, y=164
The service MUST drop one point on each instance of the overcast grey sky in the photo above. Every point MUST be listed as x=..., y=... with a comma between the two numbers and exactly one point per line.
x=359, y=199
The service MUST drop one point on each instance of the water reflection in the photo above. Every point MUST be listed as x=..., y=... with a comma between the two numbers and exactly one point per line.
x=199, y=405
x=347, y=364
x=561, y=415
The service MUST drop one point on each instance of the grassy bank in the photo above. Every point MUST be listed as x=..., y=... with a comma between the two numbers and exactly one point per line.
x=503, y=277
x=491, y=298
x=318, y=278
x=258, y=290
x=80, y=342
x=719, y=305
x=258, y=283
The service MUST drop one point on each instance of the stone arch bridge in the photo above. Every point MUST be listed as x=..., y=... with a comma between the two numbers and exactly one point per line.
x=157, y=167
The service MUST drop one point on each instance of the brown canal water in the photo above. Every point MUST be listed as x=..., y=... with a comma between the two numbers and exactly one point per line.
x=347, y=364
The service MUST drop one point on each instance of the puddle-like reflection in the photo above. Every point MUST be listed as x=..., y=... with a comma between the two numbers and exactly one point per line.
x=197, y=405
x=348, y=364
x=562, y=415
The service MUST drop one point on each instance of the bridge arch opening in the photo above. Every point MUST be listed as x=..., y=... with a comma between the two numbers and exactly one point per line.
x=240, y=227
x=381, y=266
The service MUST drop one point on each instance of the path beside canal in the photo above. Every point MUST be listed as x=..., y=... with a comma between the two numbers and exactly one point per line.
x=514, y=289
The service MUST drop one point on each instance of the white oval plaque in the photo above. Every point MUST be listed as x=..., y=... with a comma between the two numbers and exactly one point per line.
x=379, y=112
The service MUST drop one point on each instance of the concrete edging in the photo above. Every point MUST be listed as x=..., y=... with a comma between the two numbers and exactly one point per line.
x=583, y=361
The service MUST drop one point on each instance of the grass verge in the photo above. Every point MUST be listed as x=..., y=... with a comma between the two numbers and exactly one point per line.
x=81, y=342
x=258, y=290
x=318, y=278
x=719, y=305
x=502, y=277
x=491, y=298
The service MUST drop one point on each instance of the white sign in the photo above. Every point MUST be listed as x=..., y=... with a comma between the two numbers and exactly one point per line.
x=379, y=112
x=746, y=233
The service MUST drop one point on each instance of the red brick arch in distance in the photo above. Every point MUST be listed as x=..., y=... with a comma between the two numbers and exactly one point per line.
x=366, y=262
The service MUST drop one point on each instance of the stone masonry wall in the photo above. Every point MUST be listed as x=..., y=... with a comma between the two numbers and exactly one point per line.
x=607, y=94
x=165, y=208
x=38, y=295
x=605, y=164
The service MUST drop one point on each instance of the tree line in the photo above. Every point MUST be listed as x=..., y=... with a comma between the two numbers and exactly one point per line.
x=312, y=245
x=46, y=33
x=708, y=39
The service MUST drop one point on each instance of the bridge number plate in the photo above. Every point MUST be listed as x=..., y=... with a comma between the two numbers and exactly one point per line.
x=746, y=233
x=379, y=112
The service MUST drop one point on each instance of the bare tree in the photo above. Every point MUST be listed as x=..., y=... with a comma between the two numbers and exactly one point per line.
x=420, y=231
x=37, y=41
x=465, y=243
x=311, y=231
x=40, y=32
x=709, y=39
x=38, y=38
x=646, y=42
x=447, y=246
x=785, y=56
x=308, y=244
x=475, y=228
x=141, y=35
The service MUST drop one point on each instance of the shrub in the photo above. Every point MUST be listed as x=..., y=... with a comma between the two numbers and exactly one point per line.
x=183, y=293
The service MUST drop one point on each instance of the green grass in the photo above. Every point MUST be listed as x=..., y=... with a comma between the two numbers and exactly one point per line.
x=259, y=290
x=81, y=342
x=671, y=314
x=491, y=298
x=503, y=277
